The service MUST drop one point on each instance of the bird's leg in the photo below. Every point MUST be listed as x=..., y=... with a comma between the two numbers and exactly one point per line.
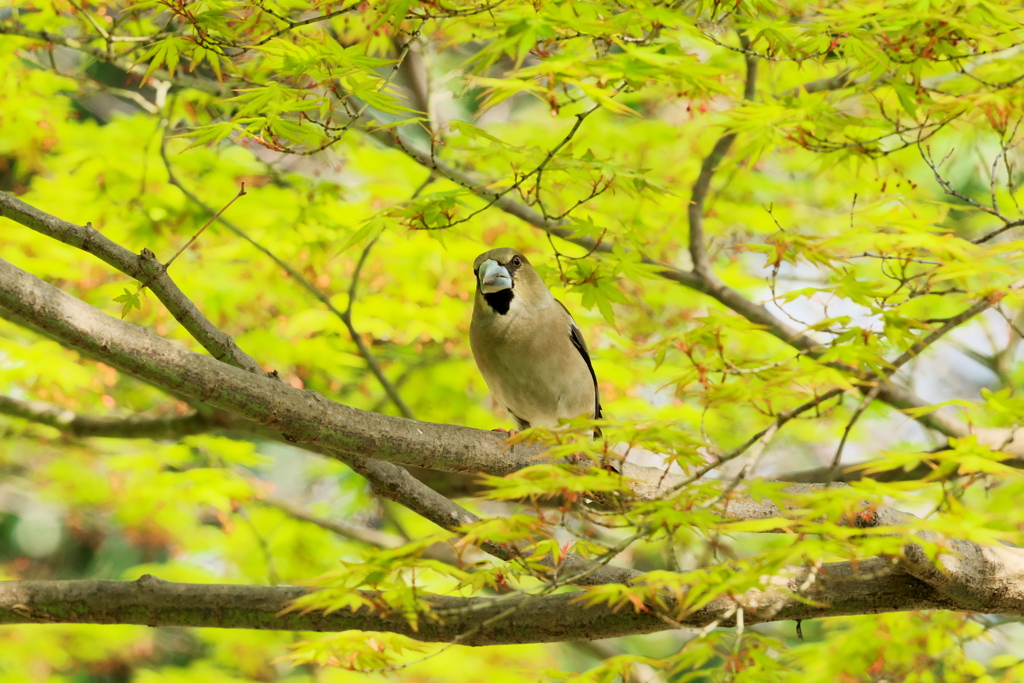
x=510, y=432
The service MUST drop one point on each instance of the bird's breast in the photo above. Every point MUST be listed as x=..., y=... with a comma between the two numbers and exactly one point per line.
x=539, y=376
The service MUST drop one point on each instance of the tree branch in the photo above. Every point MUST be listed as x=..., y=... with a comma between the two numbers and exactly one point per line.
x=836, y=589
x=134, y=427
x=695, y=210
x=291, y=24
x=361, y=534
x=181, y=79
x=416, y=76
x=443, y=552
x=371, y=361
x=836, y=82
x=144, y=268
x=966, y=572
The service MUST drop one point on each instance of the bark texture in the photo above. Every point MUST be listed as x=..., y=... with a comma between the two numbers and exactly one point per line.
x=149, y=601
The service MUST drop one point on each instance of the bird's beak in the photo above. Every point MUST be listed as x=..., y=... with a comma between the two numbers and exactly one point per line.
x=494, y=277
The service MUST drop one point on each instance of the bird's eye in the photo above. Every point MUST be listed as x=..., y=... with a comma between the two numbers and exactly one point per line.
x=516, y=261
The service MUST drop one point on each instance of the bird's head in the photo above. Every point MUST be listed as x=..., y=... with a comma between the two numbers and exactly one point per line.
x=505, y=275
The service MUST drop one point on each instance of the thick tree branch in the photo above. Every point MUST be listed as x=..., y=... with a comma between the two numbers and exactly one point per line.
x=969, y=574
x=836, y=589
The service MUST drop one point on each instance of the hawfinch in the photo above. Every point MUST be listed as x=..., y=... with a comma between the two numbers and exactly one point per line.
x=527, y=346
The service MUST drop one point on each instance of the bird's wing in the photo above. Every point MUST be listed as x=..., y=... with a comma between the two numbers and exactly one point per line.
x=577, y=340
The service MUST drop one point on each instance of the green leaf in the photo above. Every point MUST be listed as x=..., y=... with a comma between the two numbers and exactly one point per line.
x=129, y=300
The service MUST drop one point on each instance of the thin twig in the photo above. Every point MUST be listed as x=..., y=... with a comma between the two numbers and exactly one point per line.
x=364, y=351
x=868, y=398
x=695, y=209
x=143, y=268
x=241, y=193
x=273, y=578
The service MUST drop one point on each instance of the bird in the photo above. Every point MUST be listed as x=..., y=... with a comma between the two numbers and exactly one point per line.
x=527, y=346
